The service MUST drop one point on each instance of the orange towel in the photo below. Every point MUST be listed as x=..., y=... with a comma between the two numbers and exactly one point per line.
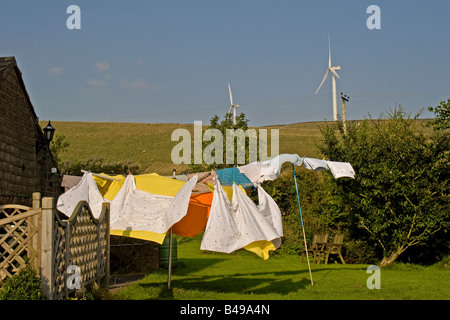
x=197, y=216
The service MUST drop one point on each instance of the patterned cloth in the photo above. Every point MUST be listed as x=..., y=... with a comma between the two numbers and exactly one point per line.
x=85, y=190
x=239, y=223
x=133, y=209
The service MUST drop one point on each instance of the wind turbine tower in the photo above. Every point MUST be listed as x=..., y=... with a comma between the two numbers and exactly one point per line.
x=232, y=106
x=334, y=75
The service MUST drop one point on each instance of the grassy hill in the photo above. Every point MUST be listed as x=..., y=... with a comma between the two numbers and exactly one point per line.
x=149, y=145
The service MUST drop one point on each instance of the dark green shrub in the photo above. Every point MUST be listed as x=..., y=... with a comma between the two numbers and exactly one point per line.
x=98, y=165
x=24, y=285
x=359, y=251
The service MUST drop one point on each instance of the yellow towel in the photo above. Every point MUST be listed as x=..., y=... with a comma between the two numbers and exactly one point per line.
x=261, y=248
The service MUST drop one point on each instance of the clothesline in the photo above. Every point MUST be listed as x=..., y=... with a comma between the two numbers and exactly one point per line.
x=228, y=225
x=101, y=175
x=258, y=172
x=147, y=215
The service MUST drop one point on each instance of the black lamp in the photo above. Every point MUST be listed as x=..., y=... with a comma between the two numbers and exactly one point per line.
x=49, y=131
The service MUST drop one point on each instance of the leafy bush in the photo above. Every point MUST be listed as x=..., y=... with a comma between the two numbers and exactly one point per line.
x=319, y=214
x=99, y=165
x=359, y=251
x=399, y=198
x=24, y=285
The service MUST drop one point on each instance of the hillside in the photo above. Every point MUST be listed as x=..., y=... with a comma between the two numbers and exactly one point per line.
x=149, y=144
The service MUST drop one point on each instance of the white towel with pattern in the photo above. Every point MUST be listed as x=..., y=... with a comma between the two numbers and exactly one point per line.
x=133, y=209
x=233, y=225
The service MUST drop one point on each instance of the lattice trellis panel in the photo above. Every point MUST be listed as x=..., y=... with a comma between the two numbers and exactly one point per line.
x=80, y=241
x=83, y=245
x=59, y=259
x=16, y=234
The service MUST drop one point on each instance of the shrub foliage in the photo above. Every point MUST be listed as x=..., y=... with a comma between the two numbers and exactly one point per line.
x=24, y=285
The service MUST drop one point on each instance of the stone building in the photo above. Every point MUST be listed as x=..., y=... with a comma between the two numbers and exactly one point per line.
x=26, y=163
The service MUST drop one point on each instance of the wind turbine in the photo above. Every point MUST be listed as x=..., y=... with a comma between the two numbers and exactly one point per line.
x=232, y=106
x=334, y=75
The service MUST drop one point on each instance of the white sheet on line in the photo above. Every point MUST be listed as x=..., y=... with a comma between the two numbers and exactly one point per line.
x=341, y=169
x=315, y=164
x=233, y=225
x=85, y=190
x=258, y=172
x=133, y=209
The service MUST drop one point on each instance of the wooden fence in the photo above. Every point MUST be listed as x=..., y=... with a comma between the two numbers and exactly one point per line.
x=19, y=237
x=53, y=245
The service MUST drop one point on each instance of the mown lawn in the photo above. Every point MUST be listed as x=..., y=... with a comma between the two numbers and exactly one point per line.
x=244, y=276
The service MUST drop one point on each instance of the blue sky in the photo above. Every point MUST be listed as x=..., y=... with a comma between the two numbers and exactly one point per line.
x=171, y=60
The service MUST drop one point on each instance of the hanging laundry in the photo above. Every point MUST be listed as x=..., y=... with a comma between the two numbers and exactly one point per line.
x=229, y=176
x=203, y=179
x=315, y=164
x=190, y=225
x=85, y=190
x=108, y=185
x=341, y=169
x=278, y=161
x=155, y=184
x=136, y=213
x=69, y=182
x=197, y=216
x=258, y=172
x=270, y=210
x=240, y=223
x=221, y=232
x=228, y=190
x=133, y=209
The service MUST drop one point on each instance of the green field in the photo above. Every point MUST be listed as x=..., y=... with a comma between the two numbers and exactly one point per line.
x=150, y=145
x=244, y=276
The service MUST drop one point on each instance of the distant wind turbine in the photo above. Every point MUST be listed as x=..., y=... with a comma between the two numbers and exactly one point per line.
x=334, y=75
x=232, y=106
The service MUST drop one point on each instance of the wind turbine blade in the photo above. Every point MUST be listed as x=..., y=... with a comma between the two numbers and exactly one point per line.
x=335, y=73
x=229, y=112
x=329, y=51
x=326, y=74
x=231, y=97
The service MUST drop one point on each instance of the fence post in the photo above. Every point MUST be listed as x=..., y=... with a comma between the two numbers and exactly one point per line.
x=107, y=250
x=35, y=221
x=103, y=239
x=47, y=247
x=36, y=200
x=67, y=254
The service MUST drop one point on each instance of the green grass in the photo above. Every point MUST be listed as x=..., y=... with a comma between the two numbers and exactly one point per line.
x=150, y=145
x=241, y=275
x=244, y=276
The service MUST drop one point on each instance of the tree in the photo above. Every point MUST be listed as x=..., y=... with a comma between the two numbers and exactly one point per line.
x=58, y=145
x=442, y=113
x=24, y=285
x=400, y=196
x=222, y=126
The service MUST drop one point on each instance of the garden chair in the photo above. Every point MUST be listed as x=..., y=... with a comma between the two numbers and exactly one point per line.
x=317, y=247
x=335, y=248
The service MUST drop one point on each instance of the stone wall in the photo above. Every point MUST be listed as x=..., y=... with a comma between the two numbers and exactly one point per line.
x=25, y=160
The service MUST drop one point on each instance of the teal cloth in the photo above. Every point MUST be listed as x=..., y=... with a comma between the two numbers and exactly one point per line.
x=228, y=176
